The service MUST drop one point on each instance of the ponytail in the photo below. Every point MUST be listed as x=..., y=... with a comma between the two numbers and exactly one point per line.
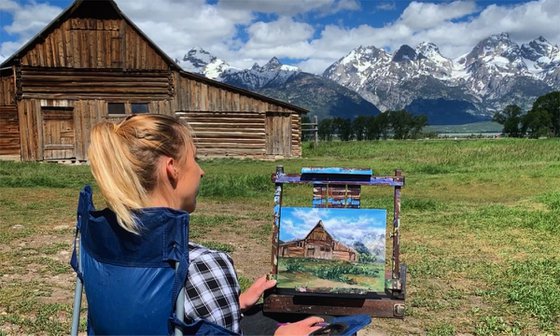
x=123, y=160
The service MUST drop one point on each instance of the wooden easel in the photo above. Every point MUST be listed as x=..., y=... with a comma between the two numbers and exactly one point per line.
x=340, y=187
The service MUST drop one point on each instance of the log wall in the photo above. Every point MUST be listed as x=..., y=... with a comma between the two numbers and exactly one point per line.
x=229, y=133
x=90, y=84
x=229, y=123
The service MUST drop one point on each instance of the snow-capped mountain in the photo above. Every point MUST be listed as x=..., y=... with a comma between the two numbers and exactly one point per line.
x=319, y=95
x=200, y=61
x=272, y=74
x=497, y=72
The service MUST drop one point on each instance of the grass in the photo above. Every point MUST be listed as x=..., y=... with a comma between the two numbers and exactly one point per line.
x=480, y=231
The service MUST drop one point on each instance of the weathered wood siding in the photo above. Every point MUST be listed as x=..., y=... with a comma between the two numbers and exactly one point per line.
x=292, y=250
x=228, y=123
x=77, y=84
x=94, y=43
x=7, y=89
x=227, y=133
x=9, y=130
x=56, y=129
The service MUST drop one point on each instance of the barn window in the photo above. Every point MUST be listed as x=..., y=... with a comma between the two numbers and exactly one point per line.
x=116, y=108
x=139, y=108
x=300, y=244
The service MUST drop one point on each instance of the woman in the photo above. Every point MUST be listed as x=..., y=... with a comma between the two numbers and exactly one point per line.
x=149, y=161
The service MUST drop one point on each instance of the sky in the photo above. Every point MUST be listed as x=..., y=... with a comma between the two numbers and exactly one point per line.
x=345, y=225
x=310, y=34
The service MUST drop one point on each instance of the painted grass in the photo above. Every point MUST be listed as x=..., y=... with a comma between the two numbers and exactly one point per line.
x=480, y=231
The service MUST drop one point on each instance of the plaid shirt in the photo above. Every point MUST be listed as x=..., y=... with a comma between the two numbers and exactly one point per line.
x=212, y=289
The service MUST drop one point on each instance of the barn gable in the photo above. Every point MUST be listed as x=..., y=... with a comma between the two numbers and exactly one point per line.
x=92, y=63
x=92, y=34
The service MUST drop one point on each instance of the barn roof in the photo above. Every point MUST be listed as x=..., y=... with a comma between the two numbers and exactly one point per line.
x=319, y=225
x=108, y=9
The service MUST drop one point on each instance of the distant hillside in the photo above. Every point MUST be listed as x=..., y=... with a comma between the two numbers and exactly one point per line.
x=323, y=98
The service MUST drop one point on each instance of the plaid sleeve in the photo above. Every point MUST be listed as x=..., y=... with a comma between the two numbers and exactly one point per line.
x=212, y=289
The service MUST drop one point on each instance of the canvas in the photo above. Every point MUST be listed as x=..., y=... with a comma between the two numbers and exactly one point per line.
x=332, y=250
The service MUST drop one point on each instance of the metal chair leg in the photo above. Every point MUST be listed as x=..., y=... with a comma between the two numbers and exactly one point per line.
x=77, y=306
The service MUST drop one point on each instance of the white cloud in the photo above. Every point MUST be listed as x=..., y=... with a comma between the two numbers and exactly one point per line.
x=282, y=31
x=235, y=31
x=177, y=26
x=421, y=15
x=292, y=7
x=386, y=6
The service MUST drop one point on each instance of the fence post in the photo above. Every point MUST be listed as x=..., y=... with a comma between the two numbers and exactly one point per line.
x=316, y=130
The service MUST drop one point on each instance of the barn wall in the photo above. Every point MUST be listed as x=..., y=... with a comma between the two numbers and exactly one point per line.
x=9, y=125
x=228, y=123
x=7, y=89
x=89, y=84
x=84, y=115
x=9, y=130
x=94, y=43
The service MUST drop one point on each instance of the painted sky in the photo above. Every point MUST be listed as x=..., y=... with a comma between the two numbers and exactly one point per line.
x=345, y=225
x=310, y=34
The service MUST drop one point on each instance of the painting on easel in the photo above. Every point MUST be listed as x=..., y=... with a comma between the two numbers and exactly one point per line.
x=332, y=250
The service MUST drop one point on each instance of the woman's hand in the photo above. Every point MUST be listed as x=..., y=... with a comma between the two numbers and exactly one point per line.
x=303, y=327
x=248, y=298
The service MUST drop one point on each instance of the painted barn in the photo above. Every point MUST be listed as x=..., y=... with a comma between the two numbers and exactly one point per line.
x=92, y=63
x=318, y=244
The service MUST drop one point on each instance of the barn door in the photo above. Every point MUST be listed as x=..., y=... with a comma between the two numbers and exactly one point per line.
x=58, y=133
x=278, y=134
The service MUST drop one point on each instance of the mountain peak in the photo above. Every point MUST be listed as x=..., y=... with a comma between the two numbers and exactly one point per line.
x=273, y=65
x=200, y=61
x=405, y=53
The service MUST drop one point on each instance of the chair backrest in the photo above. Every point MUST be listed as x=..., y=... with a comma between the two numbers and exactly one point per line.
x=130, y=280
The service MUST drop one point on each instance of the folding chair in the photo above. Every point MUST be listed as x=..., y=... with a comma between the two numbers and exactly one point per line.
x=133, y=283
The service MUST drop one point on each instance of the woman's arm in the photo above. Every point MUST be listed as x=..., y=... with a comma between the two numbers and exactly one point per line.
x=212, y=290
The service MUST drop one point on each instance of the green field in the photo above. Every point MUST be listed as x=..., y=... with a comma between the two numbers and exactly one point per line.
x=480, y=231
x=332, y=276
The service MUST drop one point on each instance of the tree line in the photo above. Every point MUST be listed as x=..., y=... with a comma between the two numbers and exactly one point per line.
x=543, y=119
x=396, y=124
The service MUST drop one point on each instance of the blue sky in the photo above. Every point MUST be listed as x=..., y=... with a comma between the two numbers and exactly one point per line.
x=311, y=34
x=345, y=225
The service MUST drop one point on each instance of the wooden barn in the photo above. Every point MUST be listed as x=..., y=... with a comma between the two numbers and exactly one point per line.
x=92, y=63
x=318, y=244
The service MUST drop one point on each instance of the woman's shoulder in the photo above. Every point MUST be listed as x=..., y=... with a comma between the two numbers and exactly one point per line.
x=199, y=252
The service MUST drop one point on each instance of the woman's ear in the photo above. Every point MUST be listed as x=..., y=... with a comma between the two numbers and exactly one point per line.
x=171, y=171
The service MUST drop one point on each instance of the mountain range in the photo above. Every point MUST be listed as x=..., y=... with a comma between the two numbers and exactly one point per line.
x=495, y=73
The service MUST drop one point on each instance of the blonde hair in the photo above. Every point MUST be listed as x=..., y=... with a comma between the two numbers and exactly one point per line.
x=123, y=159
